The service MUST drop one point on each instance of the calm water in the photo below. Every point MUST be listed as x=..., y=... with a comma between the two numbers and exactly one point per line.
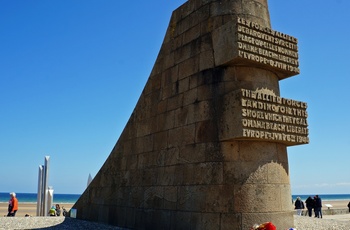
x=324, y=197
x=32, y=197
x=72, y=198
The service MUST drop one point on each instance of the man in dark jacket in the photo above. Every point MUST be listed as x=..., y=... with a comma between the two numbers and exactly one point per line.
x=310, y=204
x=318, y=207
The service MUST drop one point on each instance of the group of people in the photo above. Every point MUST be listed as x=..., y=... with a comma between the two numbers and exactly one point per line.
x=314, y=203
x=55, y=210
x=13, y=207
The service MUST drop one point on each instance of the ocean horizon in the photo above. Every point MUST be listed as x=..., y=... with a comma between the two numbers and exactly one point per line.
x=32, y=198
x=72, y=198
x=325, y=197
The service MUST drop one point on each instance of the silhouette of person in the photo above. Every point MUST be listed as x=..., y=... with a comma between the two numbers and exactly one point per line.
x=310, y=204
x=318, y=207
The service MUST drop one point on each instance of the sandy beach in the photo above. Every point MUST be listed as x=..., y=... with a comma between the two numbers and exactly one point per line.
x=338, y=204
x=27, y=208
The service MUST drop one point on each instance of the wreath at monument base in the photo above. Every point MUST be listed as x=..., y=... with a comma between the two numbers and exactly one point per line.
x=266, y=226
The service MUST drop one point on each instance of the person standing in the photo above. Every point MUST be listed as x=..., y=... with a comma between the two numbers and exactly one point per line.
x=299, y=206
x=349, y=206
x=13, y=205
x=309, y=205
x=318, y=207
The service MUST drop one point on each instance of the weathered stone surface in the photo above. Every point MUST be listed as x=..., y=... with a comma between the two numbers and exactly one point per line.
x=184, y=159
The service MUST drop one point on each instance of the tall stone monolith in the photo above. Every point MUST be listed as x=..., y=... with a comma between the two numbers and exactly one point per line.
x=206, y=145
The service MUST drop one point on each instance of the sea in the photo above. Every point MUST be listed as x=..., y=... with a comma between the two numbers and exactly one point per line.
x=325, y=197
x=72, y=198
x=32, y=198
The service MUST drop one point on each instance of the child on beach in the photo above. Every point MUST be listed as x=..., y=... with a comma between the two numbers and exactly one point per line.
x=52, y=211
x=58, y=210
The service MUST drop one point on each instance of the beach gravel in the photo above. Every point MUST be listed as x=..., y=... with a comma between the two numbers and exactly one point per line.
x=301, y=223
x=50, y=223
x=306, y=223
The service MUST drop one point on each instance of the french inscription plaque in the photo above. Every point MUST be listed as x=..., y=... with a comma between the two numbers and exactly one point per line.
x=251, y=44
x=266, y=46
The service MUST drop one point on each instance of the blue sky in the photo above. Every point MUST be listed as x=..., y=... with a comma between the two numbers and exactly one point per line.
x=71, y=73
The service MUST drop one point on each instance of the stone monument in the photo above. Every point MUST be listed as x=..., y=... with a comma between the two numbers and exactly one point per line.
x=206, y=145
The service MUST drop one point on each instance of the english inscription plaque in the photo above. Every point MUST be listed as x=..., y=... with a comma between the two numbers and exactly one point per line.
x=265, y=116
